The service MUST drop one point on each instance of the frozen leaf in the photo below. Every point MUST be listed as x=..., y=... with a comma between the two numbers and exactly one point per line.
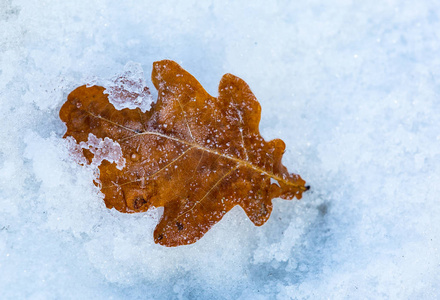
x=196, y=155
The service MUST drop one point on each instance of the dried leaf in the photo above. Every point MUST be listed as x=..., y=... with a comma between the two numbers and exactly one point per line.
x=196, y=155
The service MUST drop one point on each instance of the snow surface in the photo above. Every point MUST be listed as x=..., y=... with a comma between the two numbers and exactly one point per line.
x=352, y=87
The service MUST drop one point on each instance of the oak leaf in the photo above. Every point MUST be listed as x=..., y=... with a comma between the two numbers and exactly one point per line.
x=196, y=155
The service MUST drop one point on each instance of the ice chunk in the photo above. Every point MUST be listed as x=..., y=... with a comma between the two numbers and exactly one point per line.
x=129, y=89
x=101, y=148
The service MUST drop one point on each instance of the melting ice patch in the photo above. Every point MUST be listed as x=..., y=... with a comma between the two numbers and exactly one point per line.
x=102, y=149
x=128, y=89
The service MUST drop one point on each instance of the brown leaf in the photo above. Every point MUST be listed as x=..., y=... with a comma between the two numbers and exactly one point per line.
x=195, y=155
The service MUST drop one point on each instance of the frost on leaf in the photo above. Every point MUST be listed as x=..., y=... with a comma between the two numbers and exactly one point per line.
x=196, y=155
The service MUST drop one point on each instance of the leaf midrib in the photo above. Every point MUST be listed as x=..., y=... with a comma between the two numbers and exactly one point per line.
x=197, y=146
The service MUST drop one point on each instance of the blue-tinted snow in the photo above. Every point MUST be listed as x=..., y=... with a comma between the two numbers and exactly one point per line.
x=352, y=87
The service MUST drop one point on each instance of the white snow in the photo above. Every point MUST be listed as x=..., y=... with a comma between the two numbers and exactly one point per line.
x=353, y=88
